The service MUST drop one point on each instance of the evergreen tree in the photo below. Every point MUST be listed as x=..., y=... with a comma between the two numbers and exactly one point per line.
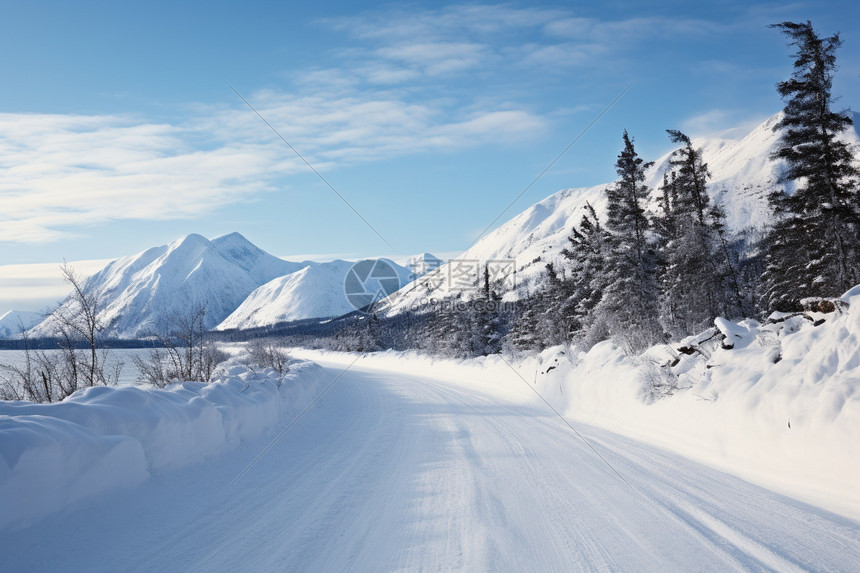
x=668, y=194
x=523, y=333
x=486, y=320
x=689, y=176
x=587, y=280
x=813, y=248
x=699, y=279
x=628, y=307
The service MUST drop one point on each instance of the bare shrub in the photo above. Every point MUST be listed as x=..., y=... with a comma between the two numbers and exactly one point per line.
x=77, y=362
x=186, y=355
x=657, y=381
x=266, y=354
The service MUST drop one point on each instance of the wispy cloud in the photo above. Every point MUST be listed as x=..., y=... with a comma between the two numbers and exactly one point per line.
x=449, y=22
x=406, y=84
x=62, y=172
x=713, y=123
x=38, y=286
x=409, y=44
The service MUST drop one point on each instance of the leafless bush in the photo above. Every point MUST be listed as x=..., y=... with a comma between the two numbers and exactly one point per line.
x=266, y=354
x=185, y=355
x=52, y=375
x=657, y=381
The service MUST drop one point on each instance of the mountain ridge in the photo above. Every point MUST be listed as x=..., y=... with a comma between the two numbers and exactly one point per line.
x=316, y=291
x=743, y=175
x=143, y=294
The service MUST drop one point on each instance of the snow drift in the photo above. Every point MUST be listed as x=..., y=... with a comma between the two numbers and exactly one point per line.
x=105, y=438
x=777, y=404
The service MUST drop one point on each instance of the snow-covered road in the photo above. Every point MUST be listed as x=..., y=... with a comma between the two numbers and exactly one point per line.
x=402, y=471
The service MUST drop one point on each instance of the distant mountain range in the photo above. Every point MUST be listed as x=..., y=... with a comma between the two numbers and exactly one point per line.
x=240, y=285
x=14, y=321
x=316, y=291
x=243, y=287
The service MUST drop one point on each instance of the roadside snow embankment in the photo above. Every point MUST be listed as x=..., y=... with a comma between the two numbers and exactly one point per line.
x=102, y=439
x=777, y=404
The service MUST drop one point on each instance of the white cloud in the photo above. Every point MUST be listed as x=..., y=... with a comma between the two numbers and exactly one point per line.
x=626, y=31
x=460, y=39
x=563, y=55
x=61, y=172
x=437, y=58
x=386, y=96
x=449, y=22
x=727, y=123
x=38, y=286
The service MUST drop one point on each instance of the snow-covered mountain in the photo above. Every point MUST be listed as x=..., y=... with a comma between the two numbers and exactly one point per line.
x=316, y=291
x=13, y=321
x=424, y=263
x=240, y=285
x=743, y=174
x=143, y=294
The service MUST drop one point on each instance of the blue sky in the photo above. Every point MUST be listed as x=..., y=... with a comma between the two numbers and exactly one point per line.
x=118, y=131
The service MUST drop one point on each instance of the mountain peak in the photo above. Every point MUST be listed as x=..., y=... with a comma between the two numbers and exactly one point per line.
x=744, y=174
x=427, y=257
x=143, y=294
x=234, y=238
x=190, y=239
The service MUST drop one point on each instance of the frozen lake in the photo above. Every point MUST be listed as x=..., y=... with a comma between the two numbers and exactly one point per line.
x=128, y=374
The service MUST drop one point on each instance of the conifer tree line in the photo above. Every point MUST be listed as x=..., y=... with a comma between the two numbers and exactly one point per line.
x=659, y=264
x=641, y=276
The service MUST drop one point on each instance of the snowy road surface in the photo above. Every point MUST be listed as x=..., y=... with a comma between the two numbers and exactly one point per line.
x=403, y=471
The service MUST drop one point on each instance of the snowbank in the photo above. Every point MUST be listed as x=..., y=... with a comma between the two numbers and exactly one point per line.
x=777, y=404
x=102, y=439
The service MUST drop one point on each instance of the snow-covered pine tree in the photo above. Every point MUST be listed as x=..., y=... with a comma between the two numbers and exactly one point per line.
x=586, y=280
x=522, y=334
x=628, y=308
x=699, y=281
x=689, y=177
x=486, y=320
x=667, y=193
x=813, y=248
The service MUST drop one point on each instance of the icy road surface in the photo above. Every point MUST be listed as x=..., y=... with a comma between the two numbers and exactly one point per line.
x=404, y=471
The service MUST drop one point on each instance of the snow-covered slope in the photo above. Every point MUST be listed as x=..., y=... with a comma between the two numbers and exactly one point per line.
x=144, y=293
x=743, y=174
x=424, y=263
x=775, y=403
x=13, y=321
x=316, y=291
